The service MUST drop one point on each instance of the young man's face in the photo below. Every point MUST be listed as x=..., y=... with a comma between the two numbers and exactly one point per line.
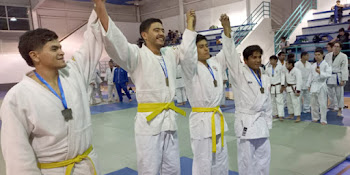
x=51, y=55
x=341, y=33
x=289, y=66
x=336, y=48
x=329, y=48
x=155, y=35
x=318, y=56
x=111, y=65
x=203, y=50
x=273, y=62
x=254, y=61
x=305, y=58
x=282, y=57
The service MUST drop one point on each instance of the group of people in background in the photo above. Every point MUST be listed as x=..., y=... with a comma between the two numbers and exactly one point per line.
x=117, y=80
x=307, y=87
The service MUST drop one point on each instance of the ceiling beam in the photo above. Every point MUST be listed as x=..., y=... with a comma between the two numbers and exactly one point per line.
x=35, y=4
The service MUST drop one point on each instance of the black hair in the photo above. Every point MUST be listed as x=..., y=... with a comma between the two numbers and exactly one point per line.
x=248, y=51
x=341, y=30
x=291, y=55
x=274, y=57
x=319, y=49
x=279, y=54
x=330, y=44
x=340, y=44
x=291, y=61
x=34, y=40
x=304, y=53
x=200, y=38
x=146, y=24
x=283, y=37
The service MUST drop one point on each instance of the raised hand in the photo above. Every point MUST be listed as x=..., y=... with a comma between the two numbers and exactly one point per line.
x=225, y=22
x=191, y=19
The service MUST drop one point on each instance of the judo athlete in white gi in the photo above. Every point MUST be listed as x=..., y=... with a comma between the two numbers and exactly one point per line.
x=203, y=82
x=94, y=88
x=110, y=84
x=339, y=63
x=277, y=80
x=153, y=71
x=282, y=62
x=46, y=121
x=305, y=68
x=180, y=91
x=253, y=112
x=317, y=85
x=294, y=82
x=331, y=85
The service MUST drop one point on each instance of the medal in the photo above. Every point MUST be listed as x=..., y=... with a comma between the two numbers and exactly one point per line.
x=215, y=83
x=167, y=81
x=67, y=114
x=262, y=90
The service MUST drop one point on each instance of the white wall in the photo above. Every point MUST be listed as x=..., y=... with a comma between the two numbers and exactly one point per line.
x=207, y=17
x=13, y=67
x=262, y=36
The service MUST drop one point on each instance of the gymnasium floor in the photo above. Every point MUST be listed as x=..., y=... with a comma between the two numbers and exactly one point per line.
x=304, y=148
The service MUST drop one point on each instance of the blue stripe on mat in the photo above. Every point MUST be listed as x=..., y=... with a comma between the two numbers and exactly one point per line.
x=342, y=166
x=185, y=163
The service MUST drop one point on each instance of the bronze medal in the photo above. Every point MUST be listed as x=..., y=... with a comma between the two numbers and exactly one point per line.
x=67, y=114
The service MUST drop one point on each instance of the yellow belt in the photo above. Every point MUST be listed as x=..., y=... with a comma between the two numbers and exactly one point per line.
x=213, y=133
x=157, y=108
x=69, y=163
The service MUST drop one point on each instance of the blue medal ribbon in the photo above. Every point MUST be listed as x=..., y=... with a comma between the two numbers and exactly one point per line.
x=63, y=99
x=165, y=70
x=258, y=80
x=211, y=71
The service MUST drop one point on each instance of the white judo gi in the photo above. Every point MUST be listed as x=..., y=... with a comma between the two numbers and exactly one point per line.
x=156, y=140
x=94, y=88
x=33, y=128
x=202, y=93
x=294, y=82
x=305, y=70
x=253, y=119
x=224, y=78
x=277, y=79
x=110, y=85
x=318, y=89
x=284, y=70
x=340, y=73
x=180, y=91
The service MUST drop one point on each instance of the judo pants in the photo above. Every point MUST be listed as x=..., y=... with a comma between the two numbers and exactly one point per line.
x=121, y=86
x=93, y=91
x=223, y=99
x=293, y=104
x=254, y=156
x=332, y=97
x=305, y=100
x=205, y=162
x=277, y=105
x=319, y=105
x=180, y=95
x=111, y=90
x=339, y=92
x=158, y=154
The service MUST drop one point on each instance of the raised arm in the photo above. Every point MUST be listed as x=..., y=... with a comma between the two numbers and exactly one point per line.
x=188, y=49
x=231, y=56
x=89, y=54
x=117, y=46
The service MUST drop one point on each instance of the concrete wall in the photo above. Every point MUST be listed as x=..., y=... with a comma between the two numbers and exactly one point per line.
x=262, y=35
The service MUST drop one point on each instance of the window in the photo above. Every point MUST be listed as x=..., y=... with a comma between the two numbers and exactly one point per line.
x=14, y=18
